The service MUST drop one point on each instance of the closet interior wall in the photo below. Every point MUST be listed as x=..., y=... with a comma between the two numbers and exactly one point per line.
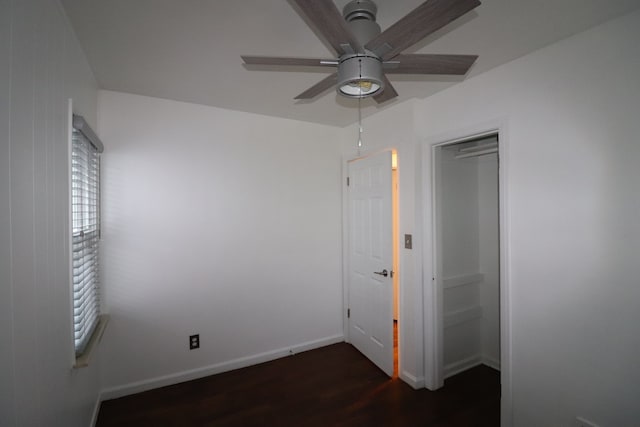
x=469, y=259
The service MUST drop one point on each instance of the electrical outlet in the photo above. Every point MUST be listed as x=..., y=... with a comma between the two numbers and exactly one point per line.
x=194, y=341
x=581, y=422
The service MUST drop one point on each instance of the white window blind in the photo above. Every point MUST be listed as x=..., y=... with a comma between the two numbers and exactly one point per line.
x=85, y=208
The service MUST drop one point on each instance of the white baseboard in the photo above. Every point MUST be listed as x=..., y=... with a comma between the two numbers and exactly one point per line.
x=491, y=362
x=415, y=382
x=242, y=362
x=462, y=365
x=96, y=410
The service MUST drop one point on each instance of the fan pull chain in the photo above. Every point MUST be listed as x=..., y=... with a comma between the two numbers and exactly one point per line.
x=359, y=125
x=360, y=111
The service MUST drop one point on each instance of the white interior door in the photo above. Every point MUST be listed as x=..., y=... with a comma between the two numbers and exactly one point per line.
x=371, y=258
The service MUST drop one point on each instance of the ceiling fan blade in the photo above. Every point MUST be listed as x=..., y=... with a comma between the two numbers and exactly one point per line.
x=430, y=64
x=388, y=93
x=325, y=18
x=427, y=18
x=319, y=87
x=273, y=60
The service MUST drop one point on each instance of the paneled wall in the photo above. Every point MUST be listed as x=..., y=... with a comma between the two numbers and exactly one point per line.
x=41, y=68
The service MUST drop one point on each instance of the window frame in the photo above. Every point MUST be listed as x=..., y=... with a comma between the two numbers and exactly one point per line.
x=88, y=321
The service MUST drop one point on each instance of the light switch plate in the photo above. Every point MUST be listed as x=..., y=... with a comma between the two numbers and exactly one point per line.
x=408, y=241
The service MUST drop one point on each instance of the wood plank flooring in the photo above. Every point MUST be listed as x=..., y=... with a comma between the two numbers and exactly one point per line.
x=330, y=386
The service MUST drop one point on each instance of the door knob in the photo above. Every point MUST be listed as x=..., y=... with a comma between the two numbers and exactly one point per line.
x=384, y=272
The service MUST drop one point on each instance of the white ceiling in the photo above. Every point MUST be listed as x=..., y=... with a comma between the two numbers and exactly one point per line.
x=189, y=50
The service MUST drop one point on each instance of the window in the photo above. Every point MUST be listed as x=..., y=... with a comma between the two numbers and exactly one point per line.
x=85, y=213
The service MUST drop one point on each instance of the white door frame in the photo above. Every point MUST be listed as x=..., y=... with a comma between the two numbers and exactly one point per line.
x=433, y=315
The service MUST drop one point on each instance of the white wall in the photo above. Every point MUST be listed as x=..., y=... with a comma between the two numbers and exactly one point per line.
x=220, y=223
x=41, y=67
x=394, y=128
x=570, y=125
x=571, y=166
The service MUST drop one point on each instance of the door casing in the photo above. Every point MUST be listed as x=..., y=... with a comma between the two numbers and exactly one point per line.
x=432, y=292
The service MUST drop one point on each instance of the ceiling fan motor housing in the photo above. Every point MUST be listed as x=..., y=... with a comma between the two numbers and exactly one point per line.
x=361, y=19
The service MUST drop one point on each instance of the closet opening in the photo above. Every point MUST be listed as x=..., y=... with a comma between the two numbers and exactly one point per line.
x=467, y=254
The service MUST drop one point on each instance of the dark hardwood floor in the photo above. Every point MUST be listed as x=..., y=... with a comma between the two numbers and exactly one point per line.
x=330, y=386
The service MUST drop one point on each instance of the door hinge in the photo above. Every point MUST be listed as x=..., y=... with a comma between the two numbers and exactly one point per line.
x=347, y=181
x=348, y=313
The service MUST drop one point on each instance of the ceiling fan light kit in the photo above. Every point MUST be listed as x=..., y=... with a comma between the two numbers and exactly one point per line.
x=359, y=76
x=365, y=54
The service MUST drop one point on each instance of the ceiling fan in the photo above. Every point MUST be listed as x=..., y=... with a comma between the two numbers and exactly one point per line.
x=366, y=55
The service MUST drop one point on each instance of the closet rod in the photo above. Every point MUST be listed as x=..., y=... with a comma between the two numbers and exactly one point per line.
x=476, y=153
x=479, y=147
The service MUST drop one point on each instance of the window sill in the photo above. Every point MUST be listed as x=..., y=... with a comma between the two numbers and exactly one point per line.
x=82, y=361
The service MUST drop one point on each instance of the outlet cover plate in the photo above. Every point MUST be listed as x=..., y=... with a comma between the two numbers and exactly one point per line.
x=194, y=341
